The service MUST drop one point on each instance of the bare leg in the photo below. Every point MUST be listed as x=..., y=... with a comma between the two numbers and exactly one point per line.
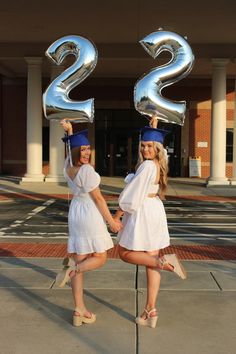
x=153, y=284
x=85, y=263
x=96, y=260
x=77, y=287
x=147, y=259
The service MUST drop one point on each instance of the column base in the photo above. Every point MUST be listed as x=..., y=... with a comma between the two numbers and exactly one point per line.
x=54, y=179
x=217, y=181
x=233, y=182
x=32, y=178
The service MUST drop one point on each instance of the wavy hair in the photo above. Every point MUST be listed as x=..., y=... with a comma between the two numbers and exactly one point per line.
x=161, y=157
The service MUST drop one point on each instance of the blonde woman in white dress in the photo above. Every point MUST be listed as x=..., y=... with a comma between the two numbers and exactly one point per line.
x=145, y=229
x=88, y=236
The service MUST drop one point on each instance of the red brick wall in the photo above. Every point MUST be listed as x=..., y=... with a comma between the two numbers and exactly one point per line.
x=200, y=129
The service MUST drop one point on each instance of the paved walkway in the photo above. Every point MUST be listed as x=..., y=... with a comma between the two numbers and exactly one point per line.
x=195, y=316
x=177, y=187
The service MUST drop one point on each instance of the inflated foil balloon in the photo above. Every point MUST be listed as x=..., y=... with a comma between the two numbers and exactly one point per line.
x=147, y=91
x=56, y=101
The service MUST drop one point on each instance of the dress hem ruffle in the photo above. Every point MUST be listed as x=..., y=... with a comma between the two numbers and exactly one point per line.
x=89, y=252
x=144, y=249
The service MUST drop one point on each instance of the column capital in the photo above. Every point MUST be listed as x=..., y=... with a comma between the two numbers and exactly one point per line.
x=33, y=60
x=221, y=62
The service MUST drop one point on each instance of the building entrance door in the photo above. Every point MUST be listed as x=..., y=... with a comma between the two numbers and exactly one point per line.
x=117, y=139
x=118, y=157
x=173, y=147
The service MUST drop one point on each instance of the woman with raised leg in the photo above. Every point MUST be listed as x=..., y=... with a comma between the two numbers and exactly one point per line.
x=89, y=239
x=145, y=229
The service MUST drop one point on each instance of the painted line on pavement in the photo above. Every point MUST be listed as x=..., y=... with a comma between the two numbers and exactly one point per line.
x=200, y=223
x=46, y=225
x=29, y=215
x=203, y=234
x=185, y=216
x=31, y=237
x=202, y=227
x=170, y=225
x=202, y=238
x=39, y=237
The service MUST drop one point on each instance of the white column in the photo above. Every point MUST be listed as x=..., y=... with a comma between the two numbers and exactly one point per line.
x=34, y=121
x=91, y=136
x=233, y=180
x=56, y=146
x=218, y=124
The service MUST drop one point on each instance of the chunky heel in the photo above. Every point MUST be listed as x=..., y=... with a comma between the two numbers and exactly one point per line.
x=77, y=320
x=64, y=276
x=173, y=260
x=150, y=320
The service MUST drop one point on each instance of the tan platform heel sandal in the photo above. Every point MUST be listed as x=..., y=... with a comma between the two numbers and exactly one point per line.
x=89, y=320
x=173, y=260
x=68, y=262
x=65, y=275
x=79, y=319
x=150, y=320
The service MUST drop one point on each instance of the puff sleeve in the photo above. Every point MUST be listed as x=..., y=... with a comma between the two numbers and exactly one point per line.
x=88, y=178
x=136, y=190
x=129, y=178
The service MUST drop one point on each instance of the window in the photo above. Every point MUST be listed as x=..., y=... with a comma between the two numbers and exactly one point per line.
x=45, y=143
x=229, y=145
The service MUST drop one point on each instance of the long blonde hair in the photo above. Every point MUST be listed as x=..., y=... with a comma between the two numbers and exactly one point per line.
x=162, y=159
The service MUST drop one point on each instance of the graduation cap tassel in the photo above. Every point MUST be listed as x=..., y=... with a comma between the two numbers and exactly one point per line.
x=68, y=149
x=69, y=153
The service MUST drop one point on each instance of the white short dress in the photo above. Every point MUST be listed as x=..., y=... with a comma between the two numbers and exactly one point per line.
x=87, y=228
x=145, y=225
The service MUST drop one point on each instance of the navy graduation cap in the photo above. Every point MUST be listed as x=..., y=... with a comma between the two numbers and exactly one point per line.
x=153, y=134
x=77, y=139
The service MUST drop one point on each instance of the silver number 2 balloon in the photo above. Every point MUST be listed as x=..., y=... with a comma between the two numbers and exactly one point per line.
x=147, y=92
x=56, y=101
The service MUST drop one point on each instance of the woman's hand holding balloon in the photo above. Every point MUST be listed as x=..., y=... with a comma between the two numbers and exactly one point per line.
x=153, y=122
x=67, y=126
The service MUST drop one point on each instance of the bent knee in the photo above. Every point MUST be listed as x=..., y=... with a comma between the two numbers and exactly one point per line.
x=153, y=253
x=124, y=254
x=101, y=257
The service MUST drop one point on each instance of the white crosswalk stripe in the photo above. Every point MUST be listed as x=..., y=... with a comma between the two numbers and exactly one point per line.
x=187, y=220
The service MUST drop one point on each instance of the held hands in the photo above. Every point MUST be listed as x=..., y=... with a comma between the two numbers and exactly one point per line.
x=67, y=126
x=116, y=225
